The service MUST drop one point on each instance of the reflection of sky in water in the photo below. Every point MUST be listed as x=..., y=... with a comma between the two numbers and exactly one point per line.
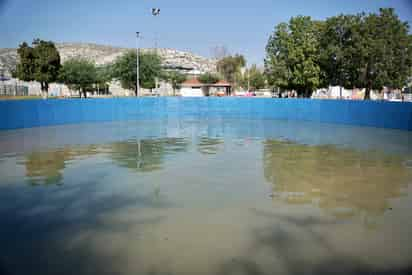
x=205, y=197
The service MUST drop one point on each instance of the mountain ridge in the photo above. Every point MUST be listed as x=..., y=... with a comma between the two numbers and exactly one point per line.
x=106, y=54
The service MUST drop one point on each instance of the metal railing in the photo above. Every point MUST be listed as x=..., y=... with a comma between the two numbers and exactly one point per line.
x=13, y=90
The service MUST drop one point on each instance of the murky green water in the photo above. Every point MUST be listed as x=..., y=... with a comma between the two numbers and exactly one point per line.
x=205, y=197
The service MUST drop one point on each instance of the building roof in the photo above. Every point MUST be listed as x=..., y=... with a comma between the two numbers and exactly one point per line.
x=222, y=83
x=192, y=82
x=196, y=82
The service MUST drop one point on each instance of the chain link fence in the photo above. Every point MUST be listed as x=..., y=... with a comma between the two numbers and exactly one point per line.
x=13, y=90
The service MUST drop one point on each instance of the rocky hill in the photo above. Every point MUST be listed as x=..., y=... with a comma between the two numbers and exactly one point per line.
x=100, y=54
x=8, y=61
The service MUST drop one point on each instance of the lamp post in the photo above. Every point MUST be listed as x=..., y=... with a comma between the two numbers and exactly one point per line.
x=156, y=12
x=137, y=65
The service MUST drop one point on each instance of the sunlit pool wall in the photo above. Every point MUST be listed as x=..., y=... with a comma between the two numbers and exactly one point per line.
x=33, y=113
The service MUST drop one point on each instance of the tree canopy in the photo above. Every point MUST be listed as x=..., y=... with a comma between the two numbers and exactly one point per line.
x=230, y=66
x=386, y=55
x=150, y=68
x=339, y=51
x=25, y=67
x=79, y=74
x=208, y=78
x=41, y=62
x=103, y=76
x=175, y=78
x=292, y=56
x=366, y=51
x=254, y=78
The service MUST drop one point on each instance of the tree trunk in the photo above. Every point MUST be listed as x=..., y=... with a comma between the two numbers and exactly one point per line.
x=367, y=93
x=44, y=89
x=207, y=91
x=368, y=82
x=84, y=93
x=135, y=91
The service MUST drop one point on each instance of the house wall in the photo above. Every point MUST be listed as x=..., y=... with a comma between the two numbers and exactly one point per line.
x=191, y=92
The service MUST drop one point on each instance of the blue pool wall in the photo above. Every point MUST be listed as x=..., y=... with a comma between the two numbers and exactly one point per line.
x=32, y=113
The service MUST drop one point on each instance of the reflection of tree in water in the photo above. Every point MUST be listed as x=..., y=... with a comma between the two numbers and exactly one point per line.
x=209, y=146
x=345, y=182
x=141, y=155
x=47, y=166
x=146, y=155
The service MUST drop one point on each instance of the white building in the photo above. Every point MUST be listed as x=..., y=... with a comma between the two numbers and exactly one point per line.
x=194, y=88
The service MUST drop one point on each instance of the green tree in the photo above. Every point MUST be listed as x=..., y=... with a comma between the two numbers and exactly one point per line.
x=386, y=57
x=276, y=69
x=175, y=78
x=366, y=51
x=124, y=70
x=103, y=77
x=46, y=63
x=340, y=51
x=25, y=67
x=230, y=66
x=292, y=56
x=254, y=78
x=79, y=74
x=208, y=78
x=150, y=68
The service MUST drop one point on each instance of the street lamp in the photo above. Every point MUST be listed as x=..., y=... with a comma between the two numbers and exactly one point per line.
x=248, y=80
x=155, y=13
x=137, y=65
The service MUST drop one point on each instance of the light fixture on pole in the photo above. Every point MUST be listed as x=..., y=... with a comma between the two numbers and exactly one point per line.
x=156, y=12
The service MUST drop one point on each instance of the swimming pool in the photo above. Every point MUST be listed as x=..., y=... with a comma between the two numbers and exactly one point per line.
x=215, y=195
x=16, y=114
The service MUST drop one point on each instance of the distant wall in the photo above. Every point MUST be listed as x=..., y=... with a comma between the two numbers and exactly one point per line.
x=32, y=113
x=56, y=89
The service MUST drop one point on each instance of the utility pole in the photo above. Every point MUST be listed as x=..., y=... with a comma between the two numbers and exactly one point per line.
x=137, y=65
x=156, y=12
x=248, y=80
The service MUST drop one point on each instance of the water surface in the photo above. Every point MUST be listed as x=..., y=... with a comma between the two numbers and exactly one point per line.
x=205, y=197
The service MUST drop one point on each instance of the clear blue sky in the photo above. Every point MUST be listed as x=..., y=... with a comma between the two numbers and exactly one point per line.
x=242, y=26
